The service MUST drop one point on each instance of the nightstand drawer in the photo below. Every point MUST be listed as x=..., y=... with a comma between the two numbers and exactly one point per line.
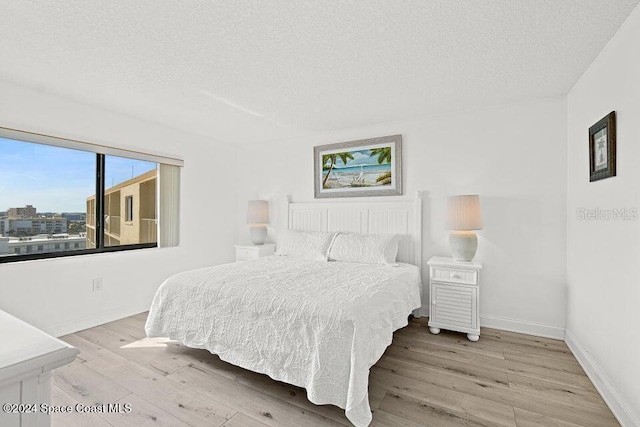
x=451, y=275
x=244, y=254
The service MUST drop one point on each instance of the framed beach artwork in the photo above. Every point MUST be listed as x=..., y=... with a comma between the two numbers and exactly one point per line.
x=602, y=148
x=367, y=167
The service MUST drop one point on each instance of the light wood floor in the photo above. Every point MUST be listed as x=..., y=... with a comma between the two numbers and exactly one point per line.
x=505, y=379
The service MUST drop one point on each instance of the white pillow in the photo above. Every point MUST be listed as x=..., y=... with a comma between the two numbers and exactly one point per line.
x=312, y=245
x=365, y=248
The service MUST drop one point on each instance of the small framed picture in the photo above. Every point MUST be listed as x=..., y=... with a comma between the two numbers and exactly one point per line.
x=602, y=148
x=368, y=167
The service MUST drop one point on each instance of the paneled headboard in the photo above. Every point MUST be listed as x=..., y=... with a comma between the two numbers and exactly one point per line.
x=394, y=217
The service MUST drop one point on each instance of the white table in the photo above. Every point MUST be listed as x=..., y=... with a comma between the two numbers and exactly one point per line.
x=248, y=252
x=455, y=296
x=27, y=356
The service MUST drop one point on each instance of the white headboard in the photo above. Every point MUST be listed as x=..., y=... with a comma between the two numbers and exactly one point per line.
x=394, y=217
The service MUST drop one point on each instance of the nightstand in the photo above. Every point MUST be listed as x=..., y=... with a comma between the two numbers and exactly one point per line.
x=247, y=252
x=455, y=296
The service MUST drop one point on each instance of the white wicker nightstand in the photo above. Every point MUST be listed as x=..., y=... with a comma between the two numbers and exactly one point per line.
x=455, y=296
x=247, y=252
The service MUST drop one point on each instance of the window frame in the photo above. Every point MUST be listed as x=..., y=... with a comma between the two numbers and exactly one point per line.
x=99, y=211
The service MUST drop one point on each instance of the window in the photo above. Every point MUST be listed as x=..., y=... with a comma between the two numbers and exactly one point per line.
x=51, y=180
x=129, y=208
x=130, y=201
x=80, y=198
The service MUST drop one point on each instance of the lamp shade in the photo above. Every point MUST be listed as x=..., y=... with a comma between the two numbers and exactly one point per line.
x=463, y=213
x=258, y=212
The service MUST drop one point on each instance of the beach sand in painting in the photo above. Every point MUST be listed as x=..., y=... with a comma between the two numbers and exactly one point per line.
x=358, y=178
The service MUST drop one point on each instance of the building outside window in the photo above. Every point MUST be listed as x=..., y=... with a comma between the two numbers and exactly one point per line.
x=126, y=222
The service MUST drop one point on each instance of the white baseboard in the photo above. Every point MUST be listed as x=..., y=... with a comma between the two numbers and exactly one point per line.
x=95, y=319
x=622, y=411
x=512, y=325
x=523, y=327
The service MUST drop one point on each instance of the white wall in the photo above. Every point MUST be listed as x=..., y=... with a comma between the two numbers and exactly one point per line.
x=56, y=295
x=603, y=303
x=513, y=156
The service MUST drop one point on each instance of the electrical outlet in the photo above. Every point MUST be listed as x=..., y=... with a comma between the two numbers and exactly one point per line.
x=97, y=284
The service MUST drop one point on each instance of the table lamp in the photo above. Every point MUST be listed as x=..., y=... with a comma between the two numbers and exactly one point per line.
x=463, y=216
x=258, y=218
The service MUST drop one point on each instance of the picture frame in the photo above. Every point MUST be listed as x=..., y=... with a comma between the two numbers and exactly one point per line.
x=361, y=168
x=602, y=148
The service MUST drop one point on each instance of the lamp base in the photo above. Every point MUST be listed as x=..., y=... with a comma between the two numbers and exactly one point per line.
x=258, y=234
x=463, y=244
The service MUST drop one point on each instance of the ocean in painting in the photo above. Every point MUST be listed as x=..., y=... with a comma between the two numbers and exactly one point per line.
x=363, y=175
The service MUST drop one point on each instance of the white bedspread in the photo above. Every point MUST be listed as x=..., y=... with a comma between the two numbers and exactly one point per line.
x=317, y=325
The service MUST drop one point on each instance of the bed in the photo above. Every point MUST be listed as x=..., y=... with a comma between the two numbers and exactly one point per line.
x=314, y=324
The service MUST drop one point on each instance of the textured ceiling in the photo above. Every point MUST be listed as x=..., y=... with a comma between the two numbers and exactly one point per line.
x=253, y=71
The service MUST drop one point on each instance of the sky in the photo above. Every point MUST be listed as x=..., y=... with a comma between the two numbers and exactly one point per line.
x=56, y=179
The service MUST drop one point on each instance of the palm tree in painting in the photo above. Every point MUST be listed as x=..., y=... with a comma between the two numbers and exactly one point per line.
x=332, y=159
x=383, y=153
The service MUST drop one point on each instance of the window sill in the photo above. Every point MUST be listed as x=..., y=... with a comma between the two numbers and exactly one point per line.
x=10, y=259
